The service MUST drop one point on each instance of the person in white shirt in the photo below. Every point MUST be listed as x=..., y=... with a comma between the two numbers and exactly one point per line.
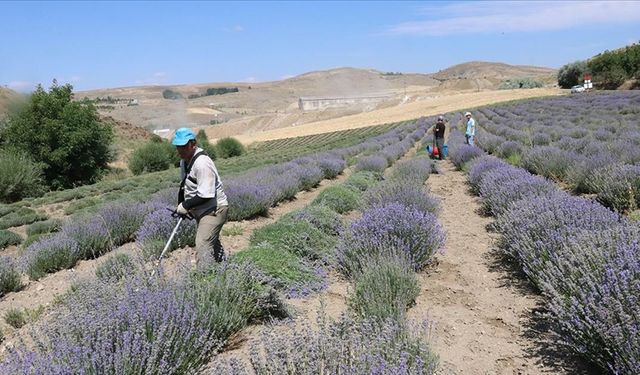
x=471, y=129
x=201, y=195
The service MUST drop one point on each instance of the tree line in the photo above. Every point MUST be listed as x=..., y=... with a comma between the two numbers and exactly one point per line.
x=609, y=69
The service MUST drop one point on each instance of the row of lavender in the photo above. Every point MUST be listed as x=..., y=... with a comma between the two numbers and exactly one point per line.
x=379, y=253
x=147, y=324
x=591, y=142
x=250, y=194
x=582, y=256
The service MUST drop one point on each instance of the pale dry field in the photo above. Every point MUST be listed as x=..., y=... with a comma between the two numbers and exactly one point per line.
x=417, y=106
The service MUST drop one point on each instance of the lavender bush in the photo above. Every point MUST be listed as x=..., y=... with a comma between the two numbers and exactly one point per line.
x=362, y=180
x=386, y=229
x=385, y=288
x=479, y=167
x=297, y=237
x=620, y=187
x=415, y=170
x=462, y=154
x=403, y=192
x=51, y=254
x=373, y=163
x=156, y=229
x=9, y=276
x=346, y=347
x=91, y=234
x=339, y=198
x=321, y=217
x=116, y=268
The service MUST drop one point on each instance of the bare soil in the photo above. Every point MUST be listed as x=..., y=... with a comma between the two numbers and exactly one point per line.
x=486, y=317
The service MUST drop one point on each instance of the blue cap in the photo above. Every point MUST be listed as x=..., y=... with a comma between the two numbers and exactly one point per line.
x=183, y=136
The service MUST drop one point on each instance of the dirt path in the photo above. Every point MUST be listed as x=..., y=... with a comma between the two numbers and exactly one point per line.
x=483, y=310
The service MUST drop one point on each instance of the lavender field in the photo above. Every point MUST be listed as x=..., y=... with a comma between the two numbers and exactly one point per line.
x=589, y=142
x=580, y=252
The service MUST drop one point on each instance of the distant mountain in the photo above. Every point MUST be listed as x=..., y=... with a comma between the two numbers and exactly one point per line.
x=271, y=105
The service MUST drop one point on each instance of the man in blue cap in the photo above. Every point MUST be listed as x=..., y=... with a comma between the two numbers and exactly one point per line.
x=201, y=195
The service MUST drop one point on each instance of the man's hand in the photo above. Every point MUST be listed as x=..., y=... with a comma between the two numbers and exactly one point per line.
x=180, y=210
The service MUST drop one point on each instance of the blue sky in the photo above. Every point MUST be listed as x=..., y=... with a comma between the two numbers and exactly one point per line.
x=115, y=44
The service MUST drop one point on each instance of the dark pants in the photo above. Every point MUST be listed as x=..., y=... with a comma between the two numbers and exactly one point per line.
x=440, y=146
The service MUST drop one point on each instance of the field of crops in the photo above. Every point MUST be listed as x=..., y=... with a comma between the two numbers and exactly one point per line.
x=582, y=256
x=126, y=320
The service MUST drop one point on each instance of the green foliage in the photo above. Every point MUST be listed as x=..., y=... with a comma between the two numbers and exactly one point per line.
x=520, y=83
x=8, y=238
x=229, y=147
x=115, y=268
x=209, y=149
x=47, y=226
x=363, y=180
x=231, y=230
x=170, y=94
x=339, y=198
x=285, y=269
x=202, y=136
x=21, y=216
x=152, y=157
x=571, y=74
x=612, y=68
x=10, y=280
x=20, y=176
x=16, y=318
x=297, y=237
x=65, y=136
x=385, y=289
x=221, y=90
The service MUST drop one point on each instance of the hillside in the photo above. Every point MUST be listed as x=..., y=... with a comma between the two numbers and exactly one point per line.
x=7, y=99
x=273, y=105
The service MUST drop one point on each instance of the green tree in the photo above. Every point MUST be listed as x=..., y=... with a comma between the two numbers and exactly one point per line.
x=67, y=137
x=571, y=74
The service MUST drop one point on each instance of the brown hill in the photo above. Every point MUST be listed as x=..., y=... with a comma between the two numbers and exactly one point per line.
x=272, y=105
x=8, y=98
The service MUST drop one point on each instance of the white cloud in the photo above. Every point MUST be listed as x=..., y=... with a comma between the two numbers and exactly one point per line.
x=517, y=16
x=287, y=76
x=249, y=80
x=21, y=86
x=238, y=28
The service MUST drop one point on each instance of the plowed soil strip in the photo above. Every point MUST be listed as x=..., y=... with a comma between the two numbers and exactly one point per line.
x=484, y=314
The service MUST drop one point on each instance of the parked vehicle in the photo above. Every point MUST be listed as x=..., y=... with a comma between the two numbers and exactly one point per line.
x=577, y=88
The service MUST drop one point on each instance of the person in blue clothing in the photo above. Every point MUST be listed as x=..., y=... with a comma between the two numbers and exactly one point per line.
x=470, y=132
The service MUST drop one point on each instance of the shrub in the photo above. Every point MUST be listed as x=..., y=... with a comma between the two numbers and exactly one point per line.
x=90, y=234
x=571, y=74
x=123, y=220
x=208, y=148
x=47, y=226
x=339, y=198
x=385, y=289
x=229, y=147
x=297, y=237
x=363, y=180
x=152, y=157
x=170, y=94
x=16, y=318
x=8, y=238
x=407, y=194
x=284, y=270
x=248, y=198
x=9, y=276
x=548, y=161
x=479, y=167
x=373, y=163
x=321, y=217
x=388, y=229
x=116, y=268
x=463, y=154
x=620, y=187
x=509, y=148
x=21, y=216
x=501, y=187
x=20, y=177
x=156, y=229
x=66, y=136
x=50, y=254
x=346, y=347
